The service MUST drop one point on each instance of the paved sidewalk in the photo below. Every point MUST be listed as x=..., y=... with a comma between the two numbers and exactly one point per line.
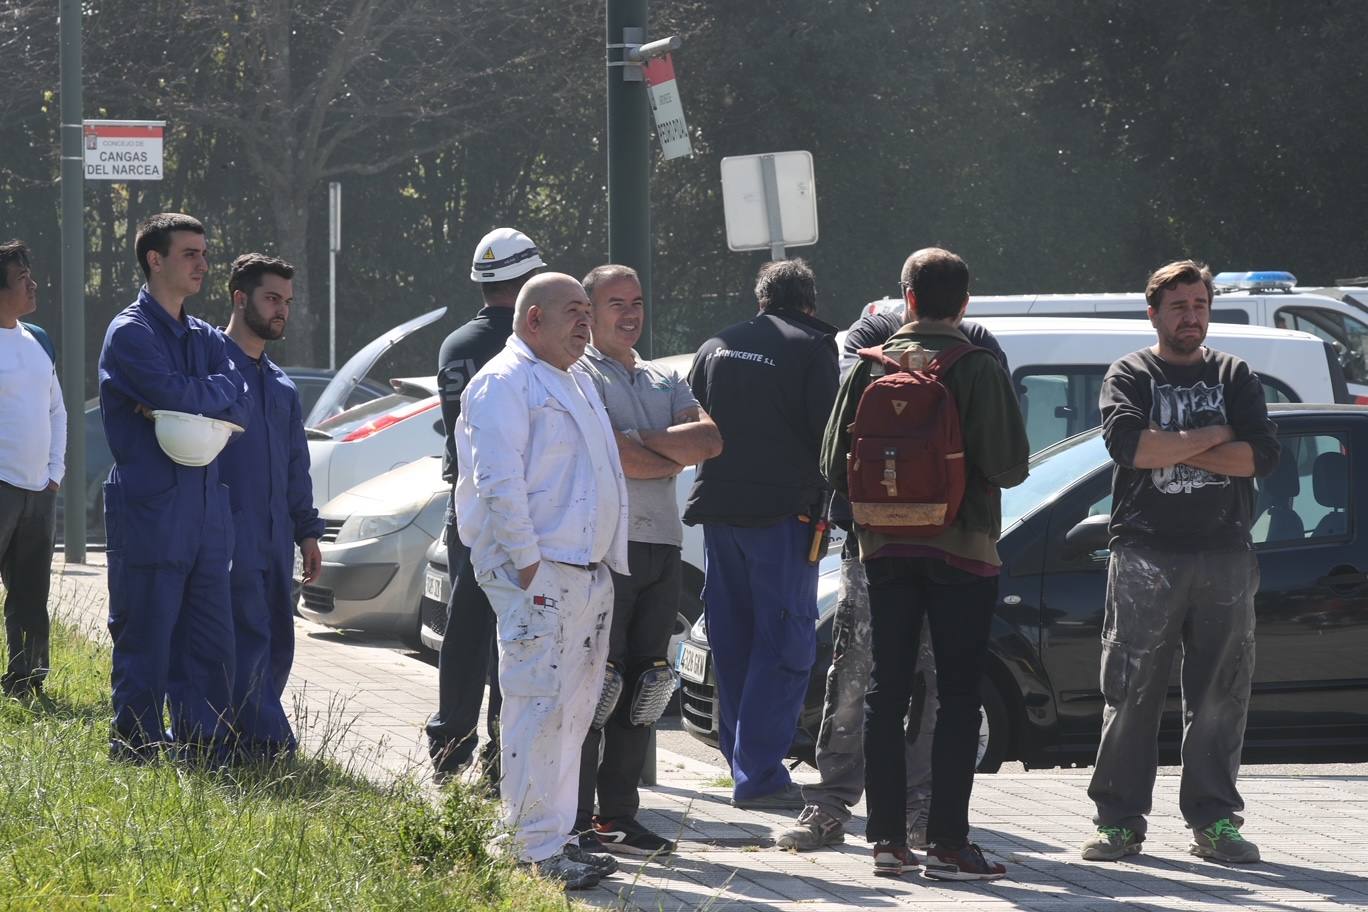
x=369, y=702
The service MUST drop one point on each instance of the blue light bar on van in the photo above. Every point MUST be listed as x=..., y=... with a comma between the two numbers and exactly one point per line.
x=1263, y=280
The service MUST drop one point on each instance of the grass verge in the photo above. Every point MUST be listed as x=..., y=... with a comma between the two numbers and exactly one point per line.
x=80, y=832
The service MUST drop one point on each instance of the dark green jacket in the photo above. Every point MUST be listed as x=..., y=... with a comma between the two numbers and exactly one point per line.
x=995, y=446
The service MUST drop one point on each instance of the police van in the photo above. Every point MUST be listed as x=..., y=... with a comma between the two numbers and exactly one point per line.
x=1338, y=316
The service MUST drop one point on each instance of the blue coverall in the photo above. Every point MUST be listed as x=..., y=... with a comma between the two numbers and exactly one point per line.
x=169, y=530
x=267, y=473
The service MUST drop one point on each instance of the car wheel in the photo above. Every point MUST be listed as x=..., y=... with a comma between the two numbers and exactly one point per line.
x=994, y=729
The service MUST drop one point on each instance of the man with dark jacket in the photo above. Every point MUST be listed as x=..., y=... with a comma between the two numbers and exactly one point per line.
x=504, y=260
x=768, y=383
x=949, y=578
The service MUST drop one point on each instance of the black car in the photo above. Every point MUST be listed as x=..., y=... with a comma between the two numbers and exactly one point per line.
x=1042, y=702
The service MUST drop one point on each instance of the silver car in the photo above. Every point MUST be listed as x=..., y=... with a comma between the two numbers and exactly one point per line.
x=374, y=541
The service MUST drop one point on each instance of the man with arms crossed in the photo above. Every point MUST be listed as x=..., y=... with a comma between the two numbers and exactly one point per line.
x=660, y=428
x=267, y=473
x=541, y=500
x=1188, y=430
x=32, y=462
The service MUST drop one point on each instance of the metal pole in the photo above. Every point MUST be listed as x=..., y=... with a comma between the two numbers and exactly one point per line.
x=776, y=222
x=334, y=245
x=629, y=163
x=73, y=283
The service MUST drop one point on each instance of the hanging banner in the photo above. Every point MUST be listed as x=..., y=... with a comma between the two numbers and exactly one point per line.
x=666, y=108
x=123, y=150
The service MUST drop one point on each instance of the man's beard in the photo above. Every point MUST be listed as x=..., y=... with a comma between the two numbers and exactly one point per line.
x=261, y=326
x=1185, y=345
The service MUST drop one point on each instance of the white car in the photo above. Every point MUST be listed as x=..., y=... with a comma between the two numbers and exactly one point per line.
x=1337, y=315
x=352, y=446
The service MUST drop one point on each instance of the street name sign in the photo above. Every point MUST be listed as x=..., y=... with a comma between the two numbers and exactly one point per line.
x=123, y=150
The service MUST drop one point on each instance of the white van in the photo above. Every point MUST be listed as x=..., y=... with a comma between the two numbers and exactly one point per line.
x=1251, y=298
x=1058, y=364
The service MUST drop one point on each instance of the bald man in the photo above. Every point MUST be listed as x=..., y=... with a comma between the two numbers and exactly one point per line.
x=542, y=502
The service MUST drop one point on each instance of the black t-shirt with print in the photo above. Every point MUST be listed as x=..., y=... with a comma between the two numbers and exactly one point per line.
x=1182, y=507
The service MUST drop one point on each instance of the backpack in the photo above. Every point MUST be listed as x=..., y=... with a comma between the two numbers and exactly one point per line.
x=905, y=469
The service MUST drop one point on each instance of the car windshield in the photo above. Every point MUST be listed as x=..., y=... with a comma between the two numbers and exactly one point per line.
x=1052, y=470
x=342, y=424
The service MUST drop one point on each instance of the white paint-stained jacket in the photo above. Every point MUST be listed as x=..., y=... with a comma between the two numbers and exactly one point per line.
x=525, y=485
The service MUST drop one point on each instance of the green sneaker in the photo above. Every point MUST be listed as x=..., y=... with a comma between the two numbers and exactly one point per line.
x=1112, y=843
x=1222, y=842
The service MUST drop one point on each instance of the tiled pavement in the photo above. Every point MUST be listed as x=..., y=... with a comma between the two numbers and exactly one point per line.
x=370, y=702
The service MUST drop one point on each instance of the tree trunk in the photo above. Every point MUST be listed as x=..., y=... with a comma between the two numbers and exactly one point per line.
x=306, y=342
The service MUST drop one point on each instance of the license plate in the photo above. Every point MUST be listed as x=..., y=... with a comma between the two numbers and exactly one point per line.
x=693, y=663
x=434, y=586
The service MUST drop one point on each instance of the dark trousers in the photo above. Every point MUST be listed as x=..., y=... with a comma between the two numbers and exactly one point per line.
x=467, y=661
x=27, y=529
x=760, y=598
x=1156, y=602
x=645, y=605
x=958, y=607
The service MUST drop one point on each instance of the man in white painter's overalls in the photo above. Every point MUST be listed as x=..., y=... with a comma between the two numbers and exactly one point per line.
x=541, y=500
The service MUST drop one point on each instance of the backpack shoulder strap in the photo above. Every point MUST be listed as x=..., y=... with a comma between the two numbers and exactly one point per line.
x=875, y=355
x=948, y=357
x=43, y=339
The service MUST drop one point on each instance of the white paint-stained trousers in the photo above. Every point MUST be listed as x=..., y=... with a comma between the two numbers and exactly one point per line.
x=553, y=643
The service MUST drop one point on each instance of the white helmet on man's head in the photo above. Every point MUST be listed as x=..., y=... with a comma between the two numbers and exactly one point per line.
x=503, y=254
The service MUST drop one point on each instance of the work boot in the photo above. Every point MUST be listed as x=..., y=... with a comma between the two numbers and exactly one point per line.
x=571, y=875
x=815, y=828
x=1222, y=842
x=603, y=864
x=1111, y=843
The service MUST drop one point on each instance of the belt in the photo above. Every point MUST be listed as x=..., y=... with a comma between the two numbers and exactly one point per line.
x=590, y=567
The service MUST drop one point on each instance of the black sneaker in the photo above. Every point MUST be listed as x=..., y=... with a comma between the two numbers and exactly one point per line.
x=964, y=863
x=627, y=837
x=893, y=860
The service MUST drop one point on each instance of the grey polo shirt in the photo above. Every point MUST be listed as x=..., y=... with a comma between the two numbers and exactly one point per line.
x=645, y=398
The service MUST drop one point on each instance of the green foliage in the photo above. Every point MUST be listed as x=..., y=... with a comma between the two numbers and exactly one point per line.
x=1057, y=146
x=83, y=833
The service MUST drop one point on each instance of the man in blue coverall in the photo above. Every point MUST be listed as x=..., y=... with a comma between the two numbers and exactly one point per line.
x=168, y=526
x=267, y=473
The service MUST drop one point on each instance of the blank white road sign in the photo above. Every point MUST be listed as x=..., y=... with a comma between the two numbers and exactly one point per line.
x=743, y=200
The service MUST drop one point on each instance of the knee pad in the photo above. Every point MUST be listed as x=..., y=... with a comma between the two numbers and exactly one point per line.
x=608, y=696
x=655, y=685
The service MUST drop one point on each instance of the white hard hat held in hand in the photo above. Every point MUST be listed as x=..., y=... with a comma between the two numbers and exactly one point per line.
x=503, y=254
x=191, y=440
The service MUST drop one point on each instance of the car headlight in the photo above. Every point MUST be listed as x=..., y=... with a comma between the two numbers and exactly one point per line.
x=699, y=631
x=361, y=526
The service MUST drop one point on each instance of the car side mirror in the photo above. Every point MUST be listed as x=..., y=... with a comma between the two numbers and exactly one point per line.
x=1088, y=536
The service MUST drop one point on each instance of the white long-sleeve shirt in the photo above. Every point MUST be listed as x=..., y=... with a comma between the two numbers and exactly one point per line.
x=538, y=471
x=32, y=416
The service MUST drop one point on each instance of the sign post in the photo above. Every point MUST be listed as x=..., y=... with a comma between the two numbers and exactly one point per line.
x=123, y=150
x=73, y=284
x=769, y=201
x=334, y=247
